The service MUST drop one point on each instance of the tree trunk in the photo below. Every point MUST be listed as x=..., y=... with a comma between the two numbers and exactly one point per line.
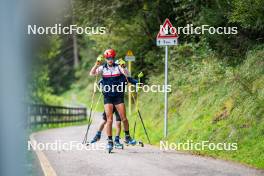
x=74, y=40
x=75, y=50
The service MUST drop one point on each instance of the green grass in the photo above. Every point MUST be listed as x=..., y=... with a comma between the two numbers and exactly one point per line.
x=213, y=103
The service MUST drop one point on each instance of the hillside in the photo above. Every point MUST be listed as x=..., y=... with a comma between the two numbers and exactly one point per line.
x=210, y=101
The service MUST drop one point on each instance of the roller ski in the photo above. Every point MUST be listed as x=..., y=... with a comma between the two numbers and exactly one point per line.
x=130, y=141
x=109, y=146
x=117, y=143
x=134, y=142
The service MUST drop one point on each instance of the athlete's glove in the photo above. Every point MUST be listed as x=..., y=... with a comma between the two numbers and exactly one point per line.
x=140, y=75
x=122, y=63
x=99, y=60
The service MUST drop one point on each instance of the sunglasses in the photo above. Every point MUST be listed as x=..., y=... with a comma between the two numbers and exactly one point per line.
x=109, y=58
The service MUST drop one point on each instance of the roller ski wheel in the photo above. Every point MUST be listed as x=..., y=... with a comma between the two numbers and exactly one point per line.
x=141, y=143
x=119, y=146
x=109, y=147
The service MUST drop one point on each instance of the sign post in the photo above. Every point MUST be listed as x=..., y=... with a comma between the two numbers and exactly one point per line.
x=166, y=94
x=129, y=58
x=167, y=36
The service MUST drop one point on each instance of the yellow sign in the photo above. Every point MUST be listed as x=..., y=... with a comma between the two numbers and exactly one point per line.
x=129, y=53
x=130, y=56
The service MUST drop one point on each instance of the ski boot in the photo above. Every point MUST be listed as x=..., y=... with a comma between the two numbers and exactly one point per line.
x=96, y=138
x=109, y=146
x=117, y=143
x=130, y=141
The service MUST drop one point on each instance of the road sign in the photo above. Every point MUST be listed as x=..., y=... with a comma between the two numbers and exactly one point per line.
x=129, y=53
x=130, y=56
x=167, y=34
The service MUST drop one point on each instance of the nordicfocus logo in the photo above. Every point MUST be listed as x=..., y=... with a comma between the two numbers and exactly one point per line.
x=201, y=145
x=59, y=145
x=68, y=30
x=190, y=29
x=131, y=88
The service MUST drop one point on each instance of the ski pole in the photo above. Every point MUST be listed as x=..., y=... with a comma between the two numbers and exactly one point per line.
x=90, y=119
x=90, y=115
x=143, y=126
x=139, y=114
x=98, y=101
x=134, y=129
x=135, y=124
x=140, y=75
x=142, y=122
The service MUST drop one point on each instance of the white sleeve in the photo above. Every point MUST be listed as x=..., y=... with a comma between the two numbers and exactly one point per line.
x=124, y=71
x=99, y=70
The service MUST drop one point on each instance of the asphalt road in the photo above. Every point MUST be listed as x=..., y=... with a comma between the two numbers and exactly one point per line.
x=132, y=161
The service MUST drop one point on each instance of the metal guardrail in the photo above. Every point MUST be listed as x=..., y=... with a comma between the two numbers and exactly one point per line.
x=46, y=114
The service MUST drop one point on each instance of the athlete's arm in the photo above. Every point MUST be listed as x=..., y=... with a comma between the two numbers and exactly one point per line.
x=124, y=71
x=132, y=80
x=97, y=69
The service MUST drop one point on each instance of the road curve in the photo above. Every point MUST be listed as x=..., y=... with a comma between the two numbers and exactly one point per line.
x=132, y=161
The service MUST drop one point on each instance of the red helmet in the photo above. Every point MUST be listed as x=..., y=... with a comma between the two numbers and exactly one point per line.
x=109, y=53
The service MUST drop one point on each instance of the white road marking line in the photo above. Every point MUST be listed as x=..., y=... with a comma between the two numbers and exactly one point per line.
x=44, y=162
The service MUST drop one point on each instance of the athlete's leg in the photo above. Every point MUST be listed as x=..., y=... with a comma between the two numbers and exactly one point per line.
x=109, y=115
x=118, y=121
x=118, y=128
x=101, y=126
x=122, y=112
x=97, y=136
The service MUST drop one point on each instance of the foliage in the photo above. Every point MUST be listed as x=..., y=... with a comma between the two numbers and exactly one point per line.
x=217, y=80
x=249, y=14
x=211, y=101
